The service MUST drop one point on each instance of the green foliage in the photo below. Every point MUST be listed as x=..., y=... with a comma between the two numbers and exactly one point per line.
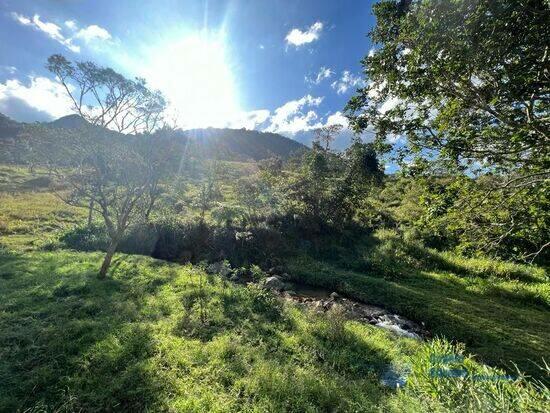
x=466, y=79
x=471, y=216
x=329, y=188
x=255, y=196
x=489, y=305
x=467, y=215
x=183, y=241
x=86, y=238
x=159, y=336
x=464, y=82
x=137, y=342
x=446, y=377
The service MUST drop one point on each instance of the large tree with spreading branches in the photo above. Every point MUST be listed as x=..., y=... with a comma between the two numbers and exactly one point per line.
x=466, y=85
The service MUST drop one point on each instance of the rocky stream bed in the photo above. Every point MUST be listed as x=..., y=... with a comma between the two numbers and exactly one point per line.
x=322, y=300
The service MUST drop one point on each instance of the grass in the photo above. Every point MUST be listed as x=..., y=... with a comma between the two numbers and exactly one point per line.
x=164, y=337
x=137, y=342
x=157, y=336
x=499, y=310
x=29, y=210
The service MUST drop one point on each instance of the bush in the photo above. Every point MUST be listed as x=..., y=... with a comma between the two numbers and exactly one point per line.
x=172, y=239
x=139, y=239
x=86, y=238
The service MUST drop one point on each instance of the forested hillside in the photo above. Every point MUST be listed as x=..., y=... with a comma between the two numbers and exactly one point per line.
x=210, y=143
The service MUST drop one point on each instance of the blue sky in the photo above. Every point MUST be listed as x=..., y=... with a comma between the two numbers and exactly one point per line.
x=282, y=66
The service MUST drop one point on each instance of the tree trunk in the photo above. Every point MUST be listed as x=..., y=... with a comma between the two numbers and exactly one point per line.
x=108, y=257
x=90, y=210
x=149, y=209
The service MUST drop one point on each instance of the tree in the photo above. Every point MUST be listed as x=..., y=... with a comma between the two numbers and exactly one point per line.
x=356, y=173
x=467, y=78
x=326, y=134
x=162, y=158
x=107, y=99
x=255, y=196
x=112, y=176
x=209, y=190
x=117, y=178
x=467, y=83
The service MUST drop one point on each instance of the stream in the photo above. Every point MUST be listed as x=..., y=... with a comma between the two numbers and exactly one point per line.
x=321, y=300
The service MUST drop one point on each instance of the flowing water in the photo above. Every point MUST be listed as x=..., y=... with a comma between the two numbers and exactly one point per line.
x=323, y=300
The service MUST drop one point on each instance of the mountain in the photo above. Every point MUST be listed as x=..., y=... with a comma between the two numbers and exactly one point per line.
x=236, y=144
x=69, y=122
x=209, y=143
x=8, y=127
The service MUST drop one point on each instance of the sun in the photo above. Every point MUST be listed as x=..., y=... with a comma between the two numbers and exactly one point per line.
x=194, y=74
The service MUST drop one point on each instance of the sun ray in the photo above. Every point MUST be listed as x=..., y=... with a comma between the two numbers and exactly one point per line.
x=194, y=73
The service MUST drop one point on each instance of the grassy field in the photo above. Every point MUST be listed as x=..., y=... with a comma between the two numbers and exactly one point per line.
x=500, y=310
x=157, y=336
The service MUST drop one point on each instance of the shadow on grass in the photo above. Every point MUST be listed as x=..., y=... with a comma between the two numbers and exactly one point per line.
x=500, y=330
x=392, y=256
x=66, y=337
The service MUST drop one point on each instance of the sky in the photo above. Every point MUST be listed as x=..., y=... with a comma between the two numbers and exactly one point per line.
x=280, y=66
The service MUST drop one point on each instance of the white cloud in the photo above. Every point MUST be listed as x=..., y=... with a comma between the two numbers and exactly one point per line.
x=88, y=34
x=299, y=117
x=249, y=120
x=347, y=81
x=21, y=19
x=344, y=138
x=337, y=118
x=324, y=73
x=389, y=104
x=8, y=69
x=93, y=32
x=42, y=94
x=296, y=37
x=392, y=138
x=298, y=121
x=295, y=116
x=50, y=29
x=374, y=89
x=71, y=24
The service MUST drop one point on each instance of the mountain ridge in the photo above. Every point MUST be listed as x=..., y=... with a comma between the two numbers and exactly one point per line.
x=219, y=143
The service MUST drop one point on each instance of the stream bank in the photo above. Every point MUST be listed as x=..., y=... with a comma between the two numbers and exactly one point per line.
x=321, y=300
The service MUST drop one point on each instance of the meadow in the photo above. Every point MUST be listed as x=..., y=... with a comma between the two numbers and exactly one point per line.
x=163, y=336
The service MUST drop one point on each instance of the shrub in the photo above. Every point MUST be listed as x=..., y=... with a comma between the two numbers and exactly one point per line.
x=177, y=240
x=86, y=238
x=139, y=239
